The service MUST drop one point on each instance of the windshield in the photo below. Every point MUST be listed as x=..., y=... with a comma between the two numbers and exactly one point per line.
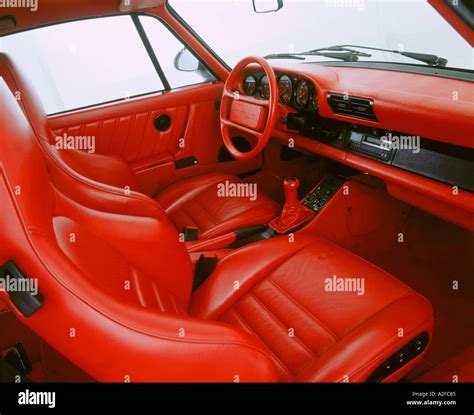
x=233, y=30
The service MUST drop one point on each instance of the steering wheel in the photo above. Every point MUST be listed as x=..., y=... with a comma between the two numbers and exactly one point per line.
x=249, y=114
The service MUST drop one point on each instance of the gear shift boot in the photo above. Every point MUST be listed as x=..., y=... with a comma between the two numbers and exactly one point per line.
x=293, y=213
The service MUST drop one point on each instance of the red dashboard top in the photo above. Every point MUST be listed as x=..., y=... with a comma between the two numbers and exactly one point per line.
x=427, y=106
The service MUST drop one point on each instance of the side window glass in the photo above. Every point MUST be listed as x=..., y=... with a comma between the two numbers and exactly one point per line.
x=179, y=65
x=84, y=63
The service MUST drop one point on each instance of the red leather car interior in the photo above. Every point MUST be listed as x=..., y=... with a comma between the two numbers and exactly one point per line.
x=195, y=202
x=106, y=182
x=294, y=214
x=118, y=288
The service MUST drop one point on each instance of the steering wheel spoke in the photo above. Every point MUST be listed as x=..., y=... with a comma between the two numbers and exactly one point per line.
x=237, y=96
x=231, y=124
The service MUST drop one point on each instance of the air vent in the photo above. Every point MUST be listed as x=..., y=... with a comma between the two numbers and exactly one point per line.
x=352, y=106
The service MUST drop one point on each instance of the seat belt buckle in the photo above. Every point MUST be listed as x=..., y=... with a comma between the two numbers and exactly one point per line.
x=190, y=234
x=17, y=358
x=204, y=267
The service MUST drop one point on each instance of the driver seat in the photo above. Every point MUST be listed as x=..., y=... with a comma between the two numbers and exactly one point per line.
x=107, y=183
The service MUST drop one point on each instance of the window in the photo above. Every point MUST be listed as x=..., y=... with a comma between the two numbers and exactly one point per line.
x=170, y=52
x=94, y=61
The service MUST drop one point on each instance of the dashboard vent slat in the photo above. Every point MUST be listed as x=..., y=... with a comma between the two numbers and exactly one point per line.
x=352, y=106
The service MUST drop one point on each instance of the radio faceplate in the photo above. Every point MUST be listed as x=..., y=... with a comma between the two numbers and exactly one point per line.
x=372, y=146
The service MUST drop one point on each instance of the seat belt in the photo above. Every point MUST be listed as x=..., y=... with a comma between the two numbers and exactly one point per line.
x=204, y=267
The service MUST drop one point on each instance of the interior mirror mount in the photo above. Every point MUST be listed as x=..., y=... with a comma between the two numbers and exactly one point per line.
x=267, y=6
x=185, y=61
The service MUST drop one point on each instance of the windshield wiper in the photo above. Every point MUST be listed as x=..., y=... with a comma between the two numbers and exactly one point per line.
x=347, y=55
x=431, y=60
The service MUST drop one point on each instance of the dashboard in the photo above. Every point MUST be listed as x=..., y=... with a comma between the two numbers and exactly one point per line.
x=447, y=163
x=351, y=114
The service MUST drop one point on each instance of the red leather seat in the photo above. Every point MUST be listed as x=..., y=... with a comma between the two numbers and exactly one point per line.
x=195, y=202
x=118, y=301
x=107, y=183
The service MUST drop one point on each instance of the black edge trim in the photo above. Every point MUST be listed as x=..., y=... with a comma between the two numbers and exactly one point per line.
x=151, y=53
x=463, y=11
x=183, y=23
x=177, y=36
x=451, y=73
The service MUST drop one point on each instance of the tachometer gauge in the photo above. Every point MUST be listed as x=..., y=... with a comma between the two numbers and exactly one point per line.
x=250, y=85
x=315, y=99
x=264, y=87
x=302, y=93
x=285, y=89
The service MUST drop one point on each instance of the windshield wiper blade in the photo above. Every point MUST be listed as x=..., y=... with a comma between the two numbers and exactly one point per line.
x=331, y=49
x=431, y=60
x=348, y=56
x=284, y=56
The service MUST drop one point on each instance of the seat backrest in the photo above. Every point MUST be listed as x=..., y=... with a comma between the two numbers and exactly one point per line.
x=116, y=287
x=69, y=181
x=102, y=245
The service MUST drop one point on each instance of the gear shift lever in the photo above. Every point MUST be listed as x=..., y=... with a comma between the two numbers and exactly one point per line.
x=293, y=213
x=291, y=185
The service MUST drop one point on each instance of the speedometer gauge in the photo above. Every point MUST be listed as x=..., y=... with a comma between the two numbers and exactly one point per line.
x=285, y=89
x=250, y=85
x=302, y=93
x=264, y=87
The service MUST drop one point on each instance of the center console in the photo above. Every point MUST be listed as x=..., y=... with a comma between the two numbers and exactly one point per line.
x=321, y=194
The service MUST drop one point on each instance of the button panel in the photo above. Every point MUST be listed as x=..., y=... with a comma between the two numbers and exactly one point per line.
x=399, y=359
x=321, y=195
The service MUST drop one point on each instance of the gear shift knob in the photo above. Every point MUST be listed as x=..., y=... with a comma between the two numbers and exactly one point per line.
x=291, y=185
x=293, y=213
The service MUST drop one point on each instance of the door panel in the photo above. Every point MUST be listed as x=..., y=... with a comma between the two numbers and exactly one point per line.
x=133, y=137
x=126, y=129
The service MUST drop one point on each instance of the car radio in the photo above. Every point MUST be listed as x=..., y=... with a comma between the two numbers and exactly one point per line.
x=370, y=145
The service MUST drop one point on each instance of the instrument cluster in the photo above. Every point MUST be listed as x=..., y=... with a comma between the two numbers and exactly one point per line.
x=294, y=91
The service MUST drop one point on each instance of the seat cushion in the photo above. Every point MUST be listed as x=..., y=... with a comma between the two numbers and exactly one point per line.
x=279, y=292
x=196, y=202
